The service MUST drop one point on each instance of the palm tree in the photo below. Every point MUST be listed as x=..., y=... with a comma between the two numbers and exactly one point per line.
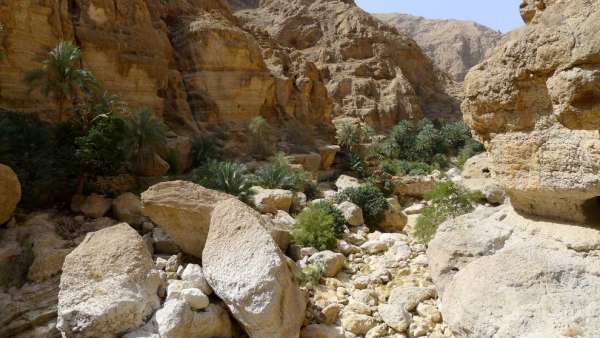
x=148, y=136
x=60, y=75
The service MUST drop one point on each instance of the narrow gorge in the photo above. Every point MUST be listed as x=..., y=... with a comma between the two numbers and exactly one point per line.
x=297, y=169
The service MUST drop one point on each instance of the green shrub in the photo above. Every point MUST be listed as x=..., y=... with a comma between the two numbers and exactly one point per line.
x=228, y=177
x=262, y=137
x=401, y=168
x=349, y=135
x=370, y=199
x=339, y=222
x=278, y=174
x=42, y=157
x=314, y=228
x=147, y=136
x=446, y=201
x=455, y=134
x=205, y=148
x=103, y=151
x=309, y=276
x=353, y=163
x=470, y=149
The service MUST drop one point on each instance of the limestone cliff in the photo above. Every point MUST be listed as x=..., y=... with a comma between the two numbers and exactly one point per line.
x=454, y=45
x=372, y=71
x=188, y=60
x=536, y=103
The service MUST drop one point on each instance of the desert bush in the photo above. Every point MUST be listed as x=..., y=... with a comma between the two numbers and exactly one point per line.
x=339, y=222
x=370, y=199
x=207, y=147
x=349, y=135
x=278, y=174
x=455, y=134
x=228, y=177
x=309, y=276
x=103, y=151
x=353, y=163
x=400, y=167
x=147, y=136
x=446, y=201
x=314, y=228
x=262, y=137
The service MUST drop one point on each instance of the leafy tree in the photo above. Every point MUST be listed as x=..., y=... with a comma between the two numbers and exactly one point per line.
x=147, y=136
x=61, y=76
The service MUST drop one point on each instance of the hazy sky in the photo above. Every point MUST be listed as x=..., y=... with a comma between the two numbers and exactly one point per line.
x=498, y=14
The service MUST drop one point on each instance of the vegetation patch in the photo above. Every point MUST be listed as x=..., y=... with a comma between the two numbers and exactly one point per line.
x=314, y=228
x=370, y=199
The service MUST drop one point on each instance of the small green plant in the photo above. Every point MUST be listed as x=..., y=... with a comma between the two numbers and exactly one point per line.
x=278, y=174
x=353, y=163
x=401, y=168
x=228, y=177
x=349, y=135
x=339, y=222
x=370, y=199
x=262, y=137
x=314, y=228
x=207, y=147
x=446, y=201
x=309, y=276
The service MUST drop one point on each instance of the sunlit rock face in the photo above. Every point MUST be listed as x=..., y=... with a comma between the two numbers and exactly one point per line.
x=371, y=70
x=536, y=103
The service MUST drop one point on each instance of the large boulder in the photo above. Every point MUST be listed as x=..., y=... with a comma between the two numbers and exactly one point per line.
x=108, y=285
x=95, y=206
x=127, y=208
x=414, y=186
x=271, y=200
x=10, y=193
x=534, y=103
x=176, y=319
x=502, y=275
x=183, y=210
x=246, y=269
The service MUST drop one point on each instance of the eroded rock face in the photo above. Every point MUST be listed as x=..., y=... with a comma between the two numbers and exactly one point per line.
x=454, y=46
x=108, y=285
x=10, y=194
x=371, y=71
x=183, y=210
x=249, y=273
x=546, y=272
x=535, y=104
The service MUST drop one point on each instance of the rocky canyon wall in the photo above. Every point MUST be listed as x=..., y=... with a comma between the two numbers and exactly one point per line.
x=536, y=104
x=454, y=45
x=187, y=60
x=372, y=72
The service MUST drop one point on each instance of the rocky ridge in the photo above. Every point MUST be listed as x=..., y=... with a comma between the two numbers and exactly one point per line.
x=454, y=46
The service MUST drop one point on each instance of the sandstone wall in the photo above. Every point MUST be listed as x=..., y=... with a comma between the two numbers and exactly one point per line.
x=188, y=60
x=536, y=104
x=371, y=71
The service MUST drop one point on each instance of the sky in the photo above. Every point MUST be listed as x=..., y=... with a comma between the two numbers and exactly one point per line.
x=500, y=15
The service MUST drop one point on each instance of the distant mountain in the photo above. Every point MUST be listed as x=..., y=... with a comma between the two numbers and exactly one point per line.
x=455, y=46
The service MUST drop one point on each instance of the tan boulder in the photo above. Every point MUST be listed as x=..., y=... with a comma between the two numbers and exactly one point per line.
x=127, y=208
x=10, y=195
x=394, y=219
x=108, y=285
x=95, y=206
x=310, y=162
x=183, y=210
x=533, y=103
x=258, y=288
x=153, y=166
x=328, y=155
x=322, y=331
x=414, y=186
x=271, y=200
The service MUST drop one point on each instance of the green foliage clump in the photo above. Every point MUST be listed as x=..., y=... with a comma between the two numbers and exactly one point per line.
x=339, y=222
x=446, y=201
x=147, y=136
x=309, y=276
x=262, y=137
x=207, y=147
x=42, y=157
x=370, y=199
x=278, y=174
x=103, y=151
x=314, y=228
x=228, y=177
x=400, y=167
x=353, y=163
x=349, y=135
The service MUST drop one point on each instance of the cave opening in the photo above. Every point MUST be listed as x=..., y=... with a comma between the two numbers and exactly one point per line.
x=591, y=211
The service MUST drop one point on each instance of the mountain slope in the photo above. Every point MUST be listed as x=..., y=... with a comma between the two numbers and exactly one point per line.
x=455, y=46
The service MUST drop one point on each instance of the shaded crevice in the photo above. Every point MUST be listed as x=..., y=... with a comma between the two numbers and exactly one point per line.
x=591, y=211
